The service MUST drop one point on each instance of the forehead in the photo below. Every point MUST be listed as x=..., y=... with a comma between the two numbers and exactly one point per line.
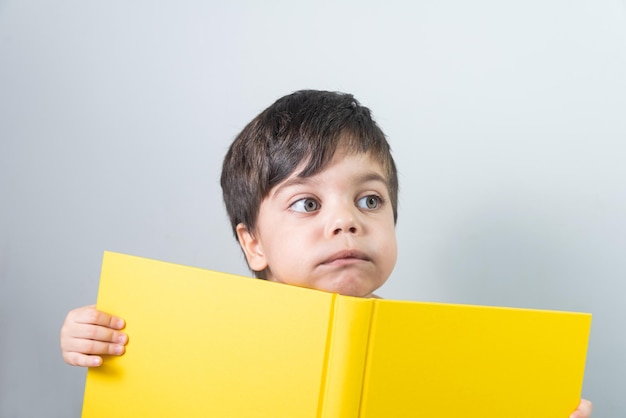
x=345, y=168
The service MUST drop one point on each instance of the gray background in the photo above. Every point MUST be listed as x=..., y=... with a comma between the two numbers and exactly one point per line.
x=507, y=121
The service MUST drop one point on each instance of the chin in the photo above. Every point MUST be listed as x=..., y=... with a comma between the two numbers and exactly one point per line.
x=351, y=285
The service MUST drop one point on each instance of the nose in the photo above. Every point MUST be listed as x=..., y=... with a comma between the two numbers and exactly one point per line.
x=344, y=220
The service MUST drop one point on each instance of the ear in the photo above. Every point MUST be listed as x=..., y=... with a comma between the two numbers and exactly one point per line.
x=252, y=248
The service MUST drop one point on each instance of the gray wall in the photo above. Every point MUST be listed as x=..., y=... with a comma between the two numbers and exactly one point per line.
x=507, y=120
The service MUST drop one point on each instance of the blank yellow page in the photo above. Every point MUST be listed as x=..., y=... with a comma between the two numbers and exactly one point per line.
x=448, y=361
x=186, y=325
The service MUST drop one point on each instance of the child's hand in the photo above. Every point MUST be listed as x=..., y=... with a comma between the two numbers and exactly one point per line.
x=583, y=410
x=88, y=333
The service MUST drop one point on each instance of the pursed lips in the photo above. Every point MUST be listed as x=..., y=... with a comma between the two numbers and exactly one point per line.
x=346, y=256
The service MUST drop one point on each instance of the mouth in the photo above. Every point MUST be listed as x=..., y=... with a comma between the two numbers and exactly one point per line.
x=345, y=257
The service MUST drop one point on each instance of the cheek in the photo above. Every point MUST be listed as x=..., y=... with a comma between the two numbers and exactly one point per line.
x=389, y=246
x=394, y=256
x=284, y=252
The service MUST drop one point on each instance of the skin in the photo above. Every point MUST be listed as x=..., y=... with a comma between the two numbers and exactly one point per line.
x=87, y=334
x=333, y=231
x=584, y=410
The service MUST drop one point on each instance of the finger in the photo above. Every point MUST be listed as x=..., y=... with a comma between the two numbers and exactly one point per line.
x=96, y=333
x=82, y=360
x=584, y=409
x=90, y=315
x=91, y=347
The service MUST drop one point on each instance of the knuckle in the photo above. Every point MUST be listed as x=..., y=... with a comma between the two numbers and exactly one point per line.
x=113, y=349
x=71, y=314
x=92, y=333
x=91, y=316
x=82, y=361
x=90, y=347
x=72, y=359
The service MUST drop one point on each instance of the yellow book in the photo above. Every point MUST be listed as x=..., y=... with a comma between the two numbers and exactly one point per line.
x=208, y=344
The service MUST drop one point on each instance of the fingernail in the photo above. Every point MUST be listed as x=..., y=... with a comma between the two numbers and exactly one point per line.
x=96, y=361
x=118, y=349
x=120, y=323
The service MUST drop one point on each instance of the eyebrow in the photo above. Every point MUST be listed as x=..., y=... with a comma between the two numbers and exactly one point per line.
x=371, y=176
x=360, y=179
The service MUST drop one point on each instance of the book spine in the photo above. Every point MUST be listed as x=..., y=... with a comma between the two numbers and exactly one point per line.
x=345, y=357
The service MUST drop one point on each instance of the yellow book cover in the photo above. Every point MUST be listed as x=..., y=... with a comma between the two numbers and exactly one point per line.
x=209, y=344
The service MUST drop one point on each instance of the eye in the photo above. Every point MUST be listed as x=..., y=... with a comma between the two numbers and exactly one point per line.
x=305, y=205
x=369, y=202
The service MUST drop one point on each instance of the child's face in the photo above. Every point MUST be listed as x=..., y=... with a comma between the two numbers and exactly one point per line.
x=333, y=231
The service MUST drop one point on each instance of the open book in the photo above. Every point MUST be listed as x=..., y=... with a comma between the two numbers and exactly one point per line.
x=208, y=344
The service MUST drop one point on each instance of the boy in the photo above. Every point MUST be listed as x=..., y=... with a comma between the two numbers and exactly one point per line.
x=311, y=190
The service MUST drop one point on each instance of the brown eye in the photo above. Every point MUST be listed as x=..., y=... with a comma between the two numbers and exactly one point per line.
x=310, y=205
x=369, y=202
x=305, y=205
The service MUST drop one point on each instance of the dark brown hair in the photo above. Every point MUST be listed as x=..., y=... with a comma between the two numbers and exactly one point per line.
x=305, y=127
